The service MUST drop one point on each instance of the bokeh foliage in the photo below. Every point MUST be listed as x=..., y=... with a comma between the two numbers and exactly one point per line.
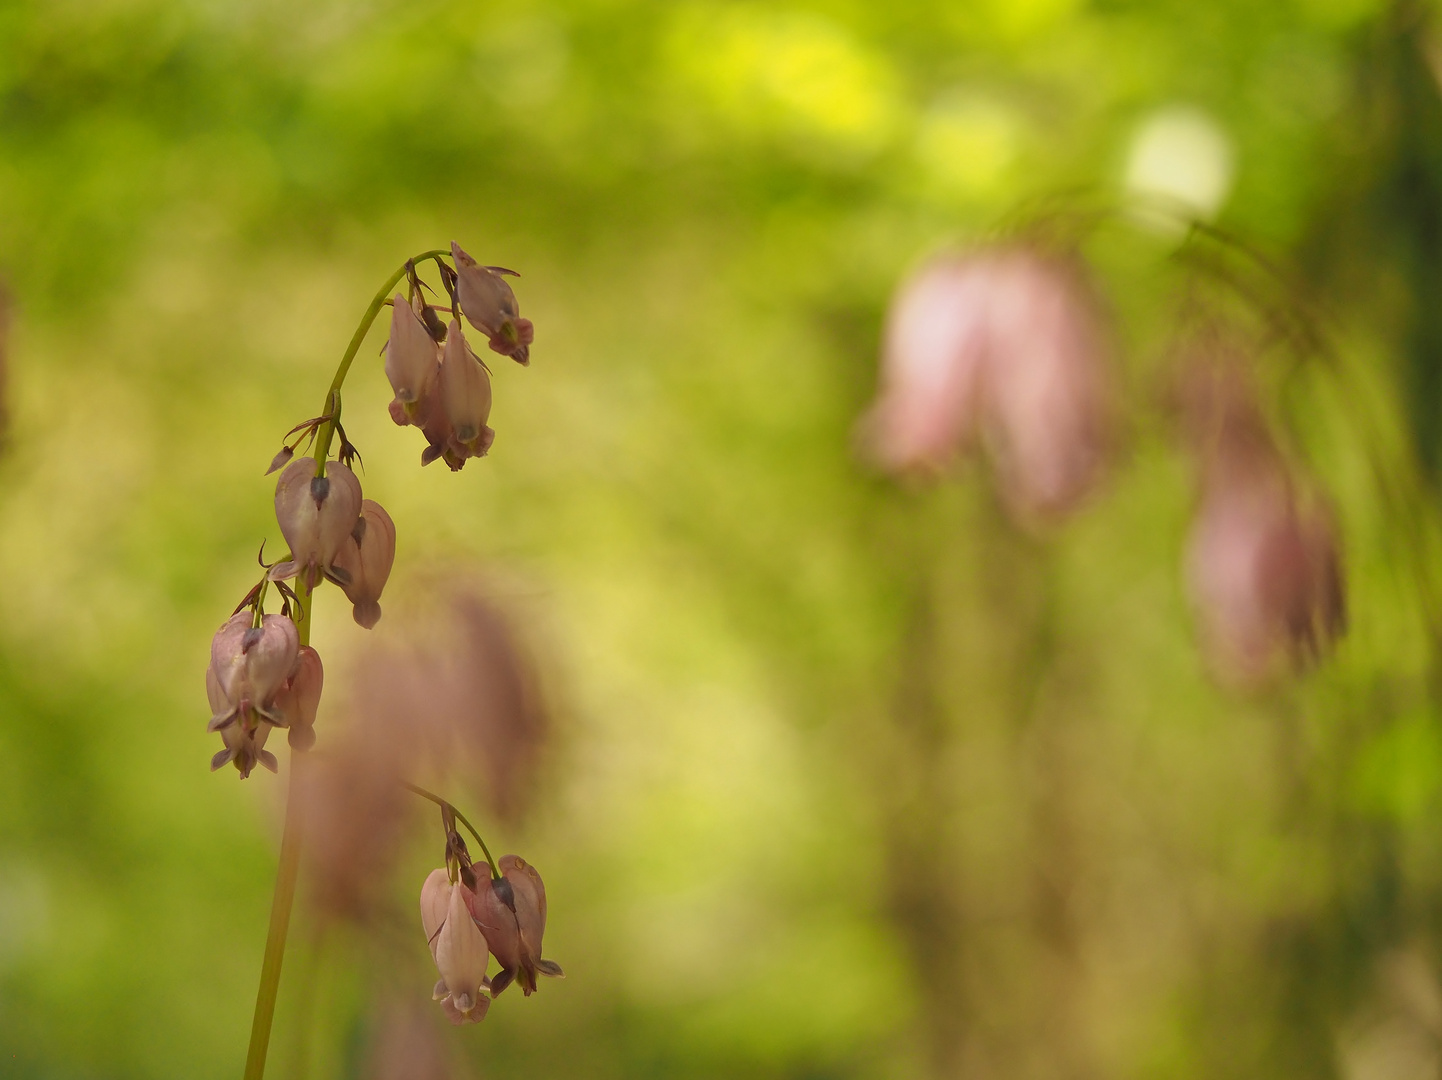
x=849, y=780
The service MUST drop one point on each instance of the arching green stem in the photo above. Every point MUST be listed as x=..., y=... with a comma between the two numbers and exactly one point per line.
x=332, y=397
x=423, y=793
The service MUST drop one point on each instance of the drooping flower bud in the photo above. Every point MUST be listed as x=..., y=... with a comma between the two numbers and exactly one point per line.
x=490, y=306
x=367, y=556
x=457, y=947
x=316, y=515
x=435, y=425
x=412, y=358
x=1048, y=387
x=466, y=391
x=1006, y=344
x=931, y=364
x=249, y=666
x=244, y=742
x=513, y=930
x=1263, y=565
x=299, y=698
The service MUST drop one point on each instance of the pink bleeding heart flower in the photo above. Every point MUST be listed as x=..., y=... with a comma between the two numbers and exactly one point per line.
x=316, y=515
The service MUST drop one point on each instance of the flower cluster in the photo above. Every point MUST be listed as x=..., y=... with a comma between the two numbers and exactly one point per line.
x=469, y=918
x=260, y=677
x=1005, y=347
x=441, y=386
x=263, y=673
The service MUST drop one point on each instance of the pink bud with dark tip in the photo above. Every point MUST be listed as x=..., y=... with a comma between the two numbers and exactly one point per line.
x=316, y=515
x=367, y=556
x=490, y=306
x=511, y=913
x=412, y=358
x=466, y=392
x=457, y=947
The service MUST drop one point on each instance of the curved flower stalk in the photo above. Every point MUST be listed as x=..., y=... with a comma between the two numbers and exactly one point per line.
x=263, y=673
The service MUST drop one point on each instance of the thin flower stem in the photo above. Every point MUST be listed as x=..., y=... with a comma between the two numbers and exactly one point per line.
x=423, y=793
x=260, y=601
x=327, y=430
x=280, y=906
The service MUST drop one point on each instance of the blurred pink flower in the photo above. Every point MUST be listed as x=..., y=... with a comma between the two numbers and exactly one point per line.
x=1005, y=345
x=356, y=808
x=1263, y=565
x=407, y=1045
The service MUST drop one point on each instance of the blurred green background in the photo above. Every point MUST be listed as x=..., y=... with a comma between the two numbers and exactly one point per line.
x=1075, y=857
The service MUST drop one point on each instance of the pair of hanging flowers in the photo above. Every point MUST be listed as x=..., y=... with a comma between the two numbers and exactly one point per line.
x=440, y=385
x=470, y=917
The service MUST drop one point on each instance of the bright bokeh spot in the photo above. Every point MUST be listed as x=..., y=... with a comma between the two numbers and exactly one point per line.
x=1179, y=166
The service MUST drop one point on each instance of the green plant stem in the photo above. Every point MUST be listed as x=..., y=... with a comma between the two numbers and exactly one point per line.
x=280, y=906
x=292, y=836
x=423, y=793
x=327, y=430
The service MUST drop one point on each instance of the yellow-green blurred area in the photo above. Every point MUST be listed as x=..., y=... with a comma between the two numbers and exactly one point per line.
x=845, y=778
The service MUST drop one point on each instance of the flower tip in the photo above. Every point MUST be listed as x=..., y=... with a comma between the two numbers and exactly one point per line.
x=460, y=257
x=221, y=758
x=367, y=614
x=301, y=738
x=280, y=459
